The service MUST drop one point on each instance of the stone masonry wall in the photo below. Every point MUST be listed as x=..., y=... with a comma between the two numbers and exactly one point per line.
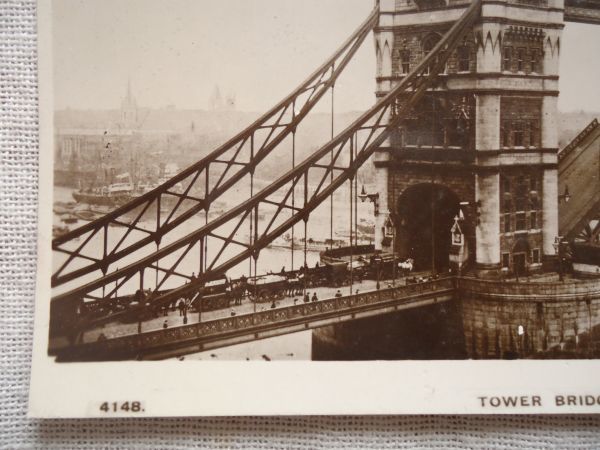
x=459, y=181
x=520, y=328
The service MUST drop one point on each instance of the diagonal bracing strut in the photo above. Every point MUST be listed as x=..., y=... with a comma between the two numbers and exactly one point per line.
x=342, y=157
x=214, y=175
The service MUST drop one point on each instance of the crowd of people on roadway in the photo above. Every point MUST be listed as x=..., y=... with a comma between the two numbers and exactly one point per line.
x=235, y=291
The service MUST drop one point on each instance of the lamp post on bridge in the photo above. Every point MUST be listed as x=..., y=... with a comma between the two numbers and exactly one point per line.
x=559, y=247
x=559, y=241
x=377, y=262
x=566, y=196
x=390, y=232
x=373, y=198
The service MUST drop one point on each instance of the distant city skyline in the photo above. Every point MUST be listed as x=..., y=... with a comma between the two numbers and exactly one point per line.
x=175, y=53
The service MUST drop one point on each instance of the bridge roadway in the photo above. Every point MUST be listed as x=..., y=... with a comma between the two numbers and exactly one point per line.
x=578, y=168
x=220, y=329
x=582, y=11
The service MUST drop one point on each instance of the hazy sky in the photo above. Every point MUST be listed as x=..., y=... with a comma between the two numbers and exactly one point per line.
x=176, y=51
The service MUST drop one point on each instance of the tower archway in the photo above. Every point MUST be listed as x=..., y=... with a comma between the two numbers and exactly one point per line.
x=425, y=216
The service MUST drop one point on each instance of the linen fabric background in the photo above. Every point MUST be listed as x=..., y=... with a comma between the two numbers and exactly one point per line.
x=18, y=212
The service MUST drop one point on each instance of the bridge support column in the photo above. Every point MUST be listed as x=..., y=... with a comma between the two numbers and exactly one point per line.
x=550, y=214
x=487, y=251
x=382, y=189
x=384, y=45
x=487, y=185
x=550, y=177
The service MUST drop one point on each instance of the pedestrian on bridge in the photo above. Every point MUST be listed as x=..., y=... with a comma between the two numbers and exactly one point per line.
x=314, y=297
x=338, y=293
x=181, y=307
x=307, y=297
x=165, y=324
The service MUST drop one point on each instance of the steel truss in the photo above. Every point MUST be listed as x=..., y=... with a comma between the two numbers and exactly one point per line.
x=195, y=188
x=587, y=230
x=341, y=157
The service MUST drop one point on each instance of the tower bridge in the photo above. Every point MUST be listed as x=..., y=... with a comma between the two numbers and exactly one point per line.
x=463, y=137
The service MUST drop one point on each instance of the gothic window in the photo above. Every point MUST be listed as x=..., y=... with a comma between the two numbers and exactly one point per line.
x=535, y=255
x=506, y=184
x=518, y=134
x=505, y=260
x=533, y=222
x=522, y=55
x=521, y=194
x=506, y=195
x=464, y=60
x=428, y=44
x=527, y=133
x=520, y=222
x=386, y=63
x=534, y=59
x=521, y=186
x=534, y=183
x=534, y=202
x=534, y=133
x=505, y=133
x=520, y=204
x=405, y=61
x=507, y=58
x=507, y=223
x=521, y=59
x=507, y=204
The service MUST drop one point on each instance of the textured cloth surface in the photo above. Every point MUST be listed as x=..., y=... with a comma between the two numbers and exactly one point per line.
x=18, y=200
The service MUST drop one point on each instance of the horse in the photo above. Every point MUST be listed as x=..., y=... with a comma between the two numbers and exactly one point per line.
x=406, y=267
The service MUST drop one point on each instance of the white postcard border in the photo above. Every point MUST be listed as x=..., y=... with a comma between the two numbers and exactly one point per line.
x=210, y=388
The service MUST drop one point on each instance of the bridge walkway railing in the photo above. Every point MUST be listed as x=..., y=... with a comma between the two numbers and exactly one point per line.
x=126, y=347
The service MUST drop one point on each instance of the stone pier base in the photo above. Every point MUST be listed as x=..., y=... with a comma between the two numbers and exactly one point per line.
x=488, y=319
x=430, y=332
x=521, y=320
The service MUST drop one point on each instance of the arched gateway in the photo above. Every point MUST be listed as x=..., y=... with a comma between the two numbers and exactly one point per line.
x=425, y=216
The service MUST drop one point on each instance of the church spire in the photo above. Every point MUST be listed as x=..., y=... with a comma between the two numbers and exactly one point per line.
x=129, y=110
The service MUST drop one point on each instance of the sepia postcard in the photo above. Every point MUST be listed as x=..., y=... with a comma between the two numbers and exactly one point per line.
x=284, y=207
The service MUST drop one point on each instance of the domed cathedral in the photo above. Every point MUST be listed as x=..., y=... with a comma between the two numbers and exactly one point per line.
x=479, y=150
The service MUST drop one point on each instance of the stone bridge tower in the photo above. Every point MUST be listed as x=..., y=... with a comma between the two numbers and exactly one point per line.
x=483, y=142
